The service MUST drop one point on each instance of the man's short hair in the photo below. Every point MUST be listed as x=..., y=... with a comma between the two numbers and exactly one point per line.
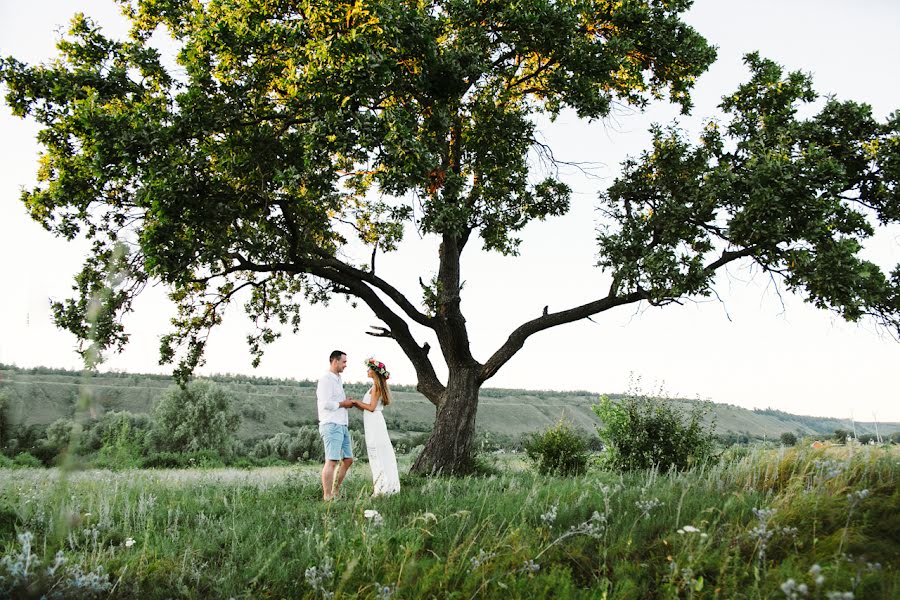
x=336, y=355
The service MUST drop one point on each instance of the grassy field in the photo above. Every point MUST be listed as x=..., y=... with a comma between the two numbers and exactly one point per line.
x=761, y=524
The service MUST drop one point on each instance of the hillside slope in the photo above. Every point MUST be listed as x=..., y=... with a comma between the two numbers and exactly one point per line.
x=42, y=395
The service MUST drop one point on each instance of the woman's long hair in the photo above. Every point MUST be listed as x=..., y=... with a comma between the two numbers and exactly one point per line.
x=382, y=387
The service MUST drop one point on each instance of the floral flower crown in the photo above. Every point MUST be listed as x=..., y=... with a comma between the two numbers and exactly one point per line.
x=378, y=367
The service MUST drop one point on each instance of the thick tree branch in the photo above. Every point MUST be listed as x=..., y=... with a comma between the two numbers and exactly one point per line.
x=729, y=256
x=390, y=291
x=429, y=385
x=517, y=338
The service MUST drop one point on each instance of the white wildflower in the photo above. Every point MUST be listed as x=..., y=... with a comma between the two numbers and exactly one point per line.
x=550, y=516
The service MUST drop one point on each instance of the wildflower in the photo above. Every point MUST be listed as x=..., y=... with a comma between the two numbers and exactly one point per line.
x=762, y=532
x=530, y=567
x=550, y=516
x=129, y=542
x=857, y=496
x=59, y=561
x=429, y=517
x=645, y=506
x=482, y=558
x=316, y=576
x=374, y=516
x=385, y=591
x=792, y=590
x=688, y=529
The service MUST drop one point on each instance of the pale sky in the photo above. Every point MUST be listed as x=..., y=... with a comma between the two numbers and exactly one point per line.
x=792, y=357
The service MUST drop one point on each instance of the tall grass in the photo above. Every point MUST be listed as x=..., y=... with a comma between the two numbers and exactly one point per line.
x=769, y=524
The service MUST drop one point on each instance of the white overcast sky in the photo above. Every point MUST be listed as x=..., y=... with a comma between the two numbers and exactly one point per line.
x=751, y=351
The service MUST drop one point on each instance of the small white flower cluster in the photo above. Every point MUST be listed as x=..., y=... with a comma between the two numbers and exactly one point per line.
x=794, y=590
x=374, y=517
x=385, y=591
x=549, y=517
x=593, y=527
x=646, y=506
x=530, y=567
x=816, y=572
x=829, y=469
x=761, y=532
x=318, y=576
x=688, y=529
x=23, y=571
x=857, y=496
x=482, y=558
x=129, y=542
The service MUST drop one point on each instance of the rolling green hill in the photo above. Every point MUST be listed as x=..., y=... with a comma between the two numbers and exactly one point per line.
x=42, y=395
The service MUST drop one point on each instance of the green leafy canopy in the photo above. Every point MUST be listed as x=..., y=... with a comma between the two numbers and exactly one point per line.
x=283, y=132
x=260, y=151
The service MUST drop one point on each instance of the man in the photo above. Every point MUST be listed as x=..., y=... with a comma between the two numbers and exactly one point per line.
x=333, y=420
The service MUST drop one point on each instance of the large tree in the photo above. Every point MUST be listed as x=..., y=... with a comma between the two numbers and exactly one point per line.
x=291, y=131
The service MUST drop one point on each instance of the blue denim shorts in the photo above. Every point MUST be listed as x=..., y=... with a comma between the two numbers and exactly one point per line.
x=337, y=441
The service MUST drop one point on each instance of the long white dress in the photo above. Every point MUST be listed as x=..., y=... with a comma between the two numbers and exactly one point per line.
x=382, y=459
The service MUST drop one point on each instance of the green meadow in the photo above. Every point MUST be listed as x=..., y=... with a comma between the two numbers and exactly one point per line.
x=761, y=523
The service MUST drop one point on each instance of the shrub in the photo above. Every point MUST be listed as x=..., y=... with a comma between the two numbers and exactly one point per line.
x=560, y=450
x=303, y=444
x=26, y=459
x=197, y=417
x=841, y=435
x=642, y=432
x=254, y=413
x=6, y=425
x=118, y=428
x=59, y=433
x=788, y=439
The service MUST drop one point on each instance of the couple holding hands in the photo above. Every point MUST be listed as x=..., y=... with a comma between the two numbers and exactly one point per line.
x=333, y=421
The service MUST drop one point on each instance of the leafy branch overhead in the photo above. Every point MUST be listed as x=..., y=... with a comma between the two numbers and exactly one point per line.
x=796, y=196
x=258, y=152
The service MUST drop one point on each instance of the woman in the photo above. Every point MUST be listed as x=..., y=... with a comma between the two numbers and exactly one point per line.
x=381, y=453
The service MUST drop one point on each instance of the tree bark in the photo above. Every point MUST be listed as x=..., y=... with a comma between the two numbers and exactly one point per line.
x=449, y=450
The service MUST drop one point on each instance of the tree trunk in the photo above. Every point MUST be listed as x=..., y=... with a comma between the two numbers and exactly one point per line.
x=449, y=450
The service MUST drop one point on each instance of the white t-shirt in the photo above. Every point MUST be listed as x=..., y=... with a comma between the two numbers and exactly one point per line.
x=329, y=393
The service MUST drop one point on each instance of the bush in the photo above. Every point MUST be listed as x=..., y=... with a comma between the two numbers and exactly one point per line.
x=560, y=450
x=117, y=429
x=6, y=425
x=59, y=433
x=643, y=432
x=840, y=435
x=254, y=413
x=788, y=439
x=195, y=418
x=303, y=444
x=26, y=459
